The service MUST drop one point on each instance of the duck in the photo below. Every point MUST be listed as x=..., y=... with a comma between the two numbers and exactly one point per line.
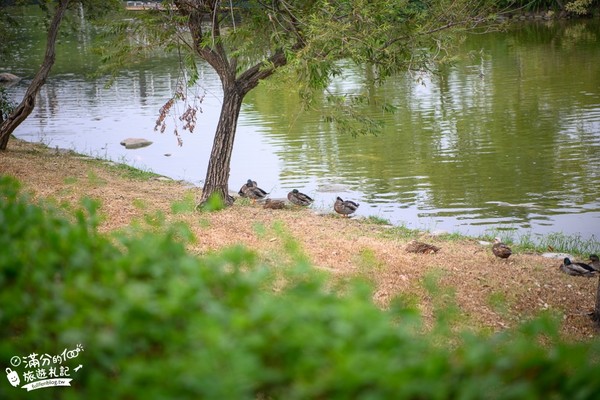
x=251, y=190
x=245, y=187
x=274, y=204
x=500, y=249
x=299, y=198
x=595, y=262
x=345, y=207
x=421, y=247
x=576, y=268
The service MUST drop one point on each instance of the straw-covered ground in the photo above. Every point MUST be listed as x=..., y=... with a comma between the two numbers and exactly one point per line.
x=490, y=293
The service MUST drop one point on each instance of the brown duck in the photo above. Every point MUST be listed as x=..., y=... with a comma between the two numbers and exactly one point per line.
x=345, y=207
x=299, y=198
x=274, y=204
x=245, y=187
x=251, y=190
x=421, y=247
x=501, y=250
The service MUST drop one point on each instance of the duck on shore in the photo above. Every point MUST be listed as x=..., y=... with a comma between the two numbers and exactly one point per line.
x=421, y=247
x=251, y=190
x=576, y=268
x=500, y=249
x=299, y=198
x=274, y=204
x=345, y=207
x=245, y=186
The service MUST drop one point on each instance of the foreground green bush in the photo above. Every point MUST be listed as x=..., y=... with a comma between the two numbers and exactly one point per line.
x=157, y=323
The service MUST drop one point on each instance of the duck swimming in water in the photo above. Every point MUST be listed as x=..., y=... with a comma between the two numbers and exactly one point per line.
x=576, y=268
x=299, y=199
x=345, y=207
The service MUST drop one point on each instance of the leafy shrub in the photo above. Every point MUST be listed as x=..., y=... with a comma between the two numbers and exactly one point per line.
x=158, y=323
x=6, y=106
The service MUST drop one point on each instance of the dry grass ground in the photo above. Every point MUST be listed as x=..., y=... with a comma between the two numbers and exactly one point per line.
x=490, y=293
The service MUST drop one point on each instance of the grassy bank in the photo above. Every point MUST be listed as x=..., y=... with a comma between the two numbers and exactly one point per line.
x=138, y=316
x=490, y=294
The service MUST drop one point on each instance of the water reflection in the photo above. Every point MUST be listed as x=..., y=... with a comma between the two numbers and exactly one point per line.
x=507, y=138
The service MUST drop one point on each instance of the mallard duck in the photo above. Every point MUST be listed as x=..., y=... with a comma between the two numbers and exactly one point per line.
x=500, y=250
x=252, y=191
x=576, y=268
x=245, y=187
x=420, y=247
x=299, y=199
x=274, y=204
x=595, y=262
x=346, y=207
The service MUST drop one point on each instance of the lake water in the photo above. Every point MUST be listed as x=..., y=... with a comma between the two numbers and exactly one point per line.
x=508, y=139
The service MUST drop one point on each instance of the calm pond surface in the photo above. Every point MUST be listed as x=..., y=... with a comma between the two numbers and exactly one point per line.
x=507, y=139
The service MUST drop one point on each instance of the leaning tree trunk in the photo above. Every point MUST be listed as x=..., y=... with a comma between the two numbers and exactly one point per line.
x=217, y=174
x=26, y=106
x=204, y=16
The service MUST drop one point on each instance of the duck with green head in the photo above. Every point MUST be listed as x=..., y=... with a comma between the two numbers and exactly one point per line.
x=576, y=268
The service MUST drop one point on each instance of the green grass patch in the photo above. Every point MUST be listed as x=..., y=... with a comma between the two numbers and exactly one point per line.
x=367, y=261
x=94, y=179
x=184, y=206
x=375, y=220
x=400, y=232
x=498, y=302
x=70, y=180
x=130, y=172
x=213, y=203
x=140, y=204
x=553, y=242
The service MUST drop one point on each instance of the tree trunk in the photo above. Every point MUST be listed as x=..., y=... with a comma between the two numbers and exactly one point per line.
x=26, y=106
x=217, y=174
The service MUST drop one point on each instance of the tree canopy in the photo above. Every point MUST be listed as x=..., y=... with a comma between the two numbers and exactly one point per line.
x=55, y=11
x=306, y=42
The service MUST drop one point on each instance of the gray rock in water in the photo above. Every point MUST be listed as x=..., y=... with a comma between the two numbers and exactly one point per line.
x=558, y=256
x=135, y=143
x=8, y=77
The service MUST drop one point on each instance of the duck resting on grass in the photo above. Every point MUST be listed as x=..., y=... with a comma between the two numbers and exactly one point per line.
x=421, y=247
x=344, y=207
x=299, y=199
x=576, y=268
x=500, y=250
x=274, y=204
x=245, y=186
x=251, y=190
